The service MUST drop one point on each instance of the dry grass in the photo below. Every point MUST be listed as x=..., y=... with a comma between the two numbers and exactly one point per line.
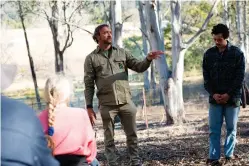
x=176, y=145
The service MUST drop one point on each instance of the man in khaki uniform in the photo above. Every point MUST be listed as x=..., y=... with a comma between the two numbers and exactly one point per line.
x=107, y=67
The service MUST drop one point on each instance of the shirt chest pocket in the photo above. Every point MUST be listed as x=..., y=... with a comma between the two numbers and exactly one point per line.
x=120, y=64
x=100, y=67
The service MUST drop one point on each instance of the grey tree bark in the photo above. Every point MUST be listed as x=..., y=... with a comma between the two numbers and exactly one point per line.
x=241, y=27
x=31, y=62
x=116, y=22
x=147, y=73
x=156, y=43
x=226, y=19
x=171, y=85
x=226, y=13
x=246, y=34
x=179, y=48
x=58, y=15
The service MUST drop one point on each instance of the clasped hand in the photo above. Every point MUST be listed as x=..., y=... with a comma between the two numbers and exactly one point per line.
x=221, y=98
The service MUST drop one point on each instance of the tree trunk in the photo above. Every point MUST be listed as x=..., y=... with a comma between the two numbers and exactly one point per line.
x=152, y=77
x=176, y=110
x=117, y=25
x=112, y=19
x=60, y=26
x=61, y=62
x=31, y=62
x=226, y=13
x=246, y=31
x=240, y=25
x=145, y=44
x=176, y=104
x=159, y=14
x=54, y=26
x=156, y=43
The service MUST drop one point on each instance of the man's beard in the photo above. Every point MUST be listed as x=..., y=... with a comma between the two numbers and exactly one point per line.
x=107, y=42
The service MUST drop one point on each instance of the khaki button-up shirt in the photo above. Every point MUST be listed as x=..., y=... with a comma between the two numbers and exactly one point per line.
x=110, y=74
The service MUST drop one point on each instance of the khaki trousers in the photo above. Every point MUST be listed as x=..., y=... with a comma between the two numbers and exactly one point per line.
x=127, y=113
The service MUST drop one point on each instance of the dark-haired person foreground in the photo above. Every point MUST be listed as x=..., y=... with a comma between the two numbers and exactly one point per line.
x=223, y=72
x=107, y=66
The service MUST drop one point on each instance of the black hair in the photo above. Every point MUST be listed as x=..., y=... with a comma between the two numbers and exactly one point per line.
x=221, y=28
x=96, y=31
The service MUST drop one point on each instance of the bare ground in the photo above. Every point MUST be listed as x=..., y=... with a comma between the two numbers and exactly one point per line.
x=176, y=145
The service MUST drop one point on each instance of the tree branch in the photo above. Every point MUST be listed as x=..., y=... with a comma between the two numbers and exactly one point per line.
x=3, y=3
x=144, y=33
x=45, y=14
x=72, y=24
x=69, y=33
x=71, y=42
x=126, y=18
x=108, y=18
x=203, y=27
x=80, y=28
x=70, y=17
x=137, y=45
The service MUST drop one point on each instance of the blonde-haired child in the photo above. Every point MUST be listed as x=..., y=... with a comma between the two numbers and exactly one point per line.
x=68, y=130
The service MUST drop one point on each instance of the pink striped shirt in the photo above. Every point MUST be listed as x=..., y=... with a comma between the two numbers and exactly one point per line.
x=73, y=133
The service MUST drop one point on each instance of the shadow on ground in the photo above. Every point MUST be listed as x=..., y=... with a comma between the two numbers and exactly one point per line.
x=189, y=148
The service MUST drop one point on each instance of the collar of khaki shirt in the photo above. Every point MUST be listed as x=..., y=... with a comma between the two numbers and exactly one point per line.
x=97, y=50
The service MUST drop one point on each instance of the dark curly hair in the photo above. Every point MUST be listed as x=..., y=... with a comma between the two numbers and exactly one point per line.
x=221, y=28
x=96, y=31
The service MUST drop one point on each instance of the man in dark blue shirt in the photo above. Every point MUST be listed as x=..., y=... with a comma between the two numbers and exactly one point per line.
x=223, y=72
x=22, y=140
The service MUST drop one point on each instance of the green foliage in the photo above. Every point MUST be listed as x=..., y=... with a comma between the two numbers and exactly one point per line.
x=193, y=59
x=11, y=18
x=194, y=12
x=9, y=15
x=194, y=55
x=12, y=23
x=100, y=10
x=134, y=45
x=193, y=15
x=167, y=37
x=168, y=45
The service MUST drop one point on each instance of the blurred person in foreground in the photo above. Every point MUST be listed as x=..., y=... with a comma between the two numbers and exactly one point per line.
x=69, y=131
x=107, y=67
x=223, y=72
x=22, y=140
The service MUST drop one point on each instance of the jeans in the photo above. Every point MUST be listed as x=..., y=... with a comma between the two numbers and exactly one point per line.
x=216, y=114
x=95, y=162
